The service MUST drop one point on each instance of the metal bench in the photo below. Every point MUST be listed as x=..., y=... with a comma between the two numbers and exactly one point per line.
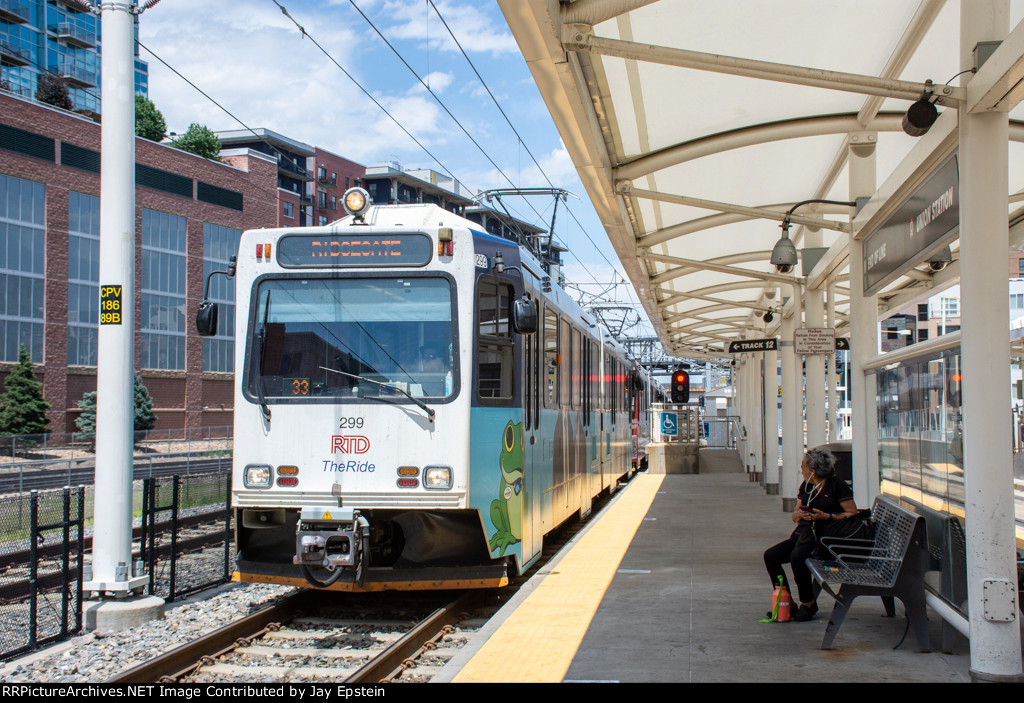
x=892, y=565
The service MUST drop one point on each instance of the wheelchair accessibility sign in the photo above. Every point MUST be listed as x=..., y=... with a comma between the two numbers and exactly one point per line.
x=668, y=424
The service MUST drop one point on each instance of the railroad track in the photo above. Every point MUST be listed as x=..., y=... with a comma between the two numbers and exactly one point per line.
x=283, y=643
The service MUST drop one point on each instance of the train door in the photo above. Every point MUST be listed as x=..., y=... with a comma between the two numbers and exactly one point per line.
x=592, y=462
x=563, y=426
x=553, y=495
x=533, y=531
x=607, y=414
x=579, y=448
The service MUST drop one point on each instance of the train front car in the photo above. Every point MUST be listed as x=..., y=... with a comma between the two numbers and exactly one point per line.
x=357, y=359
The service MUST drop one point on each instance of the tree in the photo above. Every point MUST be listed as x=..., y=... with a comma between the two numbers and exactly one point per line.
x=199, y=140
x=53, y=90
x=149, y=122
x=144, y=417
x=22, y=408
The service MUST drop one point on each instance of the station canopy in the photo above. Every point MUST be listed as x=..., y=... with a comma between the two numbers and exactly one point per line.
x=695, y=126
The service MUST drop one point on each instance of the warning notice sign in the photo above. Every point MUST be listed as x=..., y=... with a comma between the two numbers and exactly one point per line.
x=815, y=340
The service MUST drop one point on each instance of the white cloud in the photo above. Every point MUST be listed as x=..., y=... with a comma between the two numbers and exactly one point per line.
x=474, y=29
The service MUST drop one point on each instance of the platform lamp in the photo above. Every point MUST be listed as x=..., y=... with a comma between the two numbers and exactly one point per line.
x=922, y=114
x=784, y=252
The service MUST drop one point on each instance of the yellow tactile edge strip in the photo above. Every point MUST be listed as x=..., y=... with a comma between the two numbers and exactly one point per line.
x=537, y=643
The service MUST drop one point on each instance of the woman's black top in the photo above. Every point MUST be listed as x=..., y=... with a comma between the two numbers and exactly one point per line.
x=827, y=499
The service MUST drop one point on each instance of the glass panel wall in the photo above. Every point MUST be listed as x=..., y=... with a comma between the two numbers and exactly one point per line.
x=22, y=257
x=83, y=278
x=920, y=447
x=163, y=291
x=219, y=245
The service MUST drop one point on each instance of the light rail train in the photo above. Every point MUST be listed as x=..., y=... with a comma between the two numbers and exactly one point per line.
x=417, y=403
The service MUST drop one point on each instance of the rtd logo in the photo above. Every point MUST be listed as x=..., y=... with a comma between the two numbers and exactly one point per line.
x=349, y=444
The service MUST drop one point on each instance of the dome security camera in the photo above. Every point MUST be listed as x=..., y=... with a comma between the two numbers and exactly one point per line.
x=784, y=255
x=940, y=259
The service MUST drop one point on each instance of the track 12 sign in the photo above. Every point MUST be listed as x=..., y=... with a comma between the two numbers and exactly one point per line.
x=754, y=345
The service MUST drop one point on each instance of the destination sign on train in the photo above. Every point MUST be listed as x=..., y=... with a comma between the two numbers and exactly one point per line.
x=354, y=250
x=754, y=345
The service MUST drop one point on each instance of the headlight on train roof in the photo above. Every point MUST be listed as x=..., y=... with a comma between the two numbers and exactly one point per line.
x=356, y=201
x=438, y=478
x=257, y=476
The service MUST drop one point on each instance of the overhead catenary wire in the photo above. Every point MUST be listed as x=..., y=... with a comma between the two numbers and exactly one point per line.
x=367, y=93
x=434, y=95
x=457, y=122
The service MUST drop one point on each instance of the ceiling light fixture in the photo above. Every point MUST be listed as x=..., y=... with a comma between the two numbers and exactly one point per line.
x=922, y=114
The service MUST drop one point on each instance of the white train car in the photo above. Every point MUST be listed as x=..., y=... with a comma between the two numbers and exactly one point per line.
x=416, y=403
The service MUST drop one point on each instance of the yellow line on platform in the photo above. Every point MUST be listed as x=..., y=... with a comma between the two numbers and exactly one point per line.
x=537, y=643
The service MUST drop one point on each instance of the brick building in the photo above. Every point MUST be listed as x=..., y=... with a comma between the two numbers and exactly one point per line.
x=334, y=175
x=190, y=212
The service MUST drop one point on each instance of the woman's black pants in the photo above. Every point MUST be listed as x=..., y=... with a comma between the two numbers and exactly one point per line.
x=796, y=554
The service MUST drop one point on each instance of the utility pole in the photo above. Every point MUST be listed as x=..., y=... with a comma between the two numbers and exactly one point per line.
x=113, y=574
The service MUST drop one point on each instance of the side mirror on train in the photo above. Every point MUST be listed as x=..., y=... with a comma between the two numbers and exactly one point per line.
x=206, y=316
x=524, y=316
x=206, y=319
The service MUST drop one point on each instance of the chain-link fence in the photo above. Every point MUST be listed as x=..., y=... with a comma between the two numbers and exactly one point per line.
x=82, y=445
x=42, y=544
x=187, y=534
x=185, y=540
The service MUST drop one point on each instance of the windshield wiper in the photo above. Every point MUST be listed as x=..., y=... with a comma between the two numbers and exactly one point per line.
x=427, y=409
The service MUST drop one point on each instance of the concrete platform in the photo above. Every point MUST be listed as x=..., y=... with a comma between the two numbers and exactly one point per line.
x=683, y=601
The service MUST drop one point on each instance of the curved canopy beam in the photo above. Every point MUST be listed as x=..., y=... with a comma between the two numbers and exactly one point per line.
x=820, y=125
x=721, y=264
x=725, y=218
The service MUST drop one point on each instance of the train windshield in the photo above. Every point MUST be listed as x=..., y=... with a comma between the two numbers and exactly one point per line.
x=352, y=338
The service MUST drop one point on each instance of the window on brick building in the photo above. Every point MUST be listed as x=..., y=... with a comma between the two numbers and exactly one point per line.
x=83, y=278
x=219, y=245
x=22, y=242
x=163, y=291
x=289, y=210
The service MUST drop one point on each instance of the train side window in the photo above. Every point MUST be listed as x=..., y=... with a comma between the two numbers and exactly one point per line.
x=551, y=357
x=495, y=357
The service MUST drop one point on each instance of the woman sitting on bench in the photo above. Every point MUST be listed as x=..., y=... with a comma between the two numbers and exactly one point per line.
x=823, y=500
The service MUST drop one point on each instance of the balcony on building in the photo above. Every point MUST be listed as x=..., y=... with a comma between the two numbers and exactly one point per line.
x=73, y=34
x=17, y=89
x=15, y=11
x=286, y=165
x=14, y=52
x=76, y=75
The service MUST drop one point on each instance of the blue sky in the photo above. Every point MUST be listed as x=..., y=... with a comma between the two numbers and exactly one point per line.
x=249, y=57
